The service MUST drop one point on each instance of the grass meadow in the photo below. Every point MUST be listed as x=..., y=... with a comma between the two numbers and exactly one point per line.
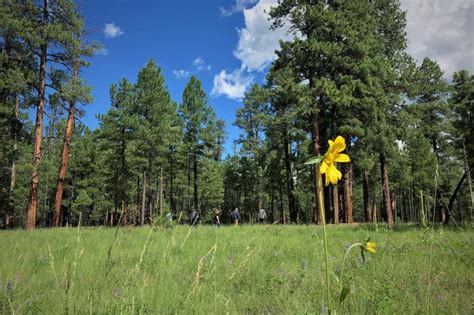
x=258, y=269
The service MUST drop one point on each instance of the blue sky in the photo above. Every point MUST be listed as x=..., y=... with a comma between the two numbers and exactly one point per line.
x=228, y=45
x=192, y=37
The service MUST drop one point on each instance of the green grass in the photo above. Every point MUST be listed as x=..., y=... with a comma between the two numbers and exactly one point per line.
x=245, y=269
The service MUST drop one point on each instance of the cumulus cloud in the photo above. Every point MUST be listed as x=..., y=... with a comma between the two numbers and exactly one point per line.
x=239, y=6
x=200, y=64
x=255, y=49
x=181, y=74
x=111, y=30
x=257, y=42
x=442, y=31
x=233, y=84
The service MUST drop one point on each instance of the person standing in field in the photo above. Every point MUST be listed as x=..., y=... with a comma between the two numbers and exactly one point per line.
x=262, y=216
x=215, y=219
x=235, y=216
x=194, y=218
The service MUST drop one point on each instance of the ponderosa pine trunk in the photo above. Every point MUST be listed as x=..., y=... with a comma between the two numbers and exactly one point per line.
x=335, y=203
x=393, y=206
x=454, y=195
x=282, y=208
x=64, y=157
x=316, y=148
x=142, y=210
x=347, y=179
x=161, y=192
x=10, y=213
x=34, y=184
x=195, y=171
x=386, y=189
x=172, y=204
x=188, y=196
x=289, y=182
x=365, y=193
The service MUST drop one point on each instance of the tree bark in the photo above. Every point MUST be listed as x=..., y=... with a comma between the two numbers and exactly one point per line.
x=189, y=183
x=195, y=171
x=11, y=208
x=386, y=189
x=64, y=158
x=293, y=206
x=454, y=195
x=441, y=206
x=393, y=206
x=347, y=178
x=34, y=184
x=374, y=212
x=335, y=203
x=282, y=208
x=172, y=204
x=318, y=191
x=365, y=193
x=161, y=191
x=142, y=211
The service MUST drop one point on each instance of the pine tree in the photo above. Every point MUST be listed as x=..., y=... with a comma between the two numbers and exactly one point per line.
x=347, y=53
x=71, y=94
x=286, y=93
x=116, y=135
x=157, y=129
x=47, y=31
x=251, y=118
x=17, y=66
x=197, y=116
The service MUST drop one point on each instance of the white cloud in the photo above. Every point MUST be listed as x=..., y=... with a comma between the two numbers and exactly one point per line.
x=239, y=6
x=111, y=30
x=101, y=51
x=441, y=30
x=200, y=64
x=257, y=42
x=233, y=85
x=181, y=74
x=255, y=49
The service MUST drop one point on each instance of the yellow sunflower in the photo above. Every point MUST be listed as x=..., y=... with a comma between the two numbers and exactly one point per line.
x=333, y=155
x=370, y=247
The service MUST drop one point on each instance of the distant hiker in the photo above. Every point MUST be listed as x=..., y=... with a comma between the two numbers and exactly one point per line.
x=194, y=218
x=262, y=215
x=235, y=216
x=215, y=219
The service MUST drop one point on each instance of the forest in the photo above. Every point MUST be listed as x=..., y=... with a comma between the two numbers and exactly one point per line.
x=408, y=127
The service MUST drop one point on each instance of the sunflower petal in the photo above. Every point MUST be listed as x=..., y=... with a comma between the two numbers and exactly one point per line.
x=371, y=247
x=334, y=174
x=326, y=180
x=342, y=158
x=323, y=168
x=339, y=145
x=331, y=143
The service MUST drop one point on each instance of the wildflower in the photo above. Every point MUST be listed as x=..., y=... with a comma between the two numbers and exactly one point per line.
x=333, y=155
x=370, y=247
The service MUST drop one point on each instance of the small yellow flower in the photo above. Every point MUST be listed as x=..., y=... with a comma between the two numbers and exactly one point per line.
x=370, y=247
x=333, y=155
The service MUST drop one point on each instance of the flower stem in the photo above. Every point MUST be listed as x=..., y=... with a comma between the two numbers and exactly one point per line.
x=344, y=260
x=325, y=239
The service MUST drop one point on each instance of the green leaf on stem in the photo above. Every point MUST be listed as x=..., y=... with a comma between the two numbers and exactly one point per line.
x=314, y=160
